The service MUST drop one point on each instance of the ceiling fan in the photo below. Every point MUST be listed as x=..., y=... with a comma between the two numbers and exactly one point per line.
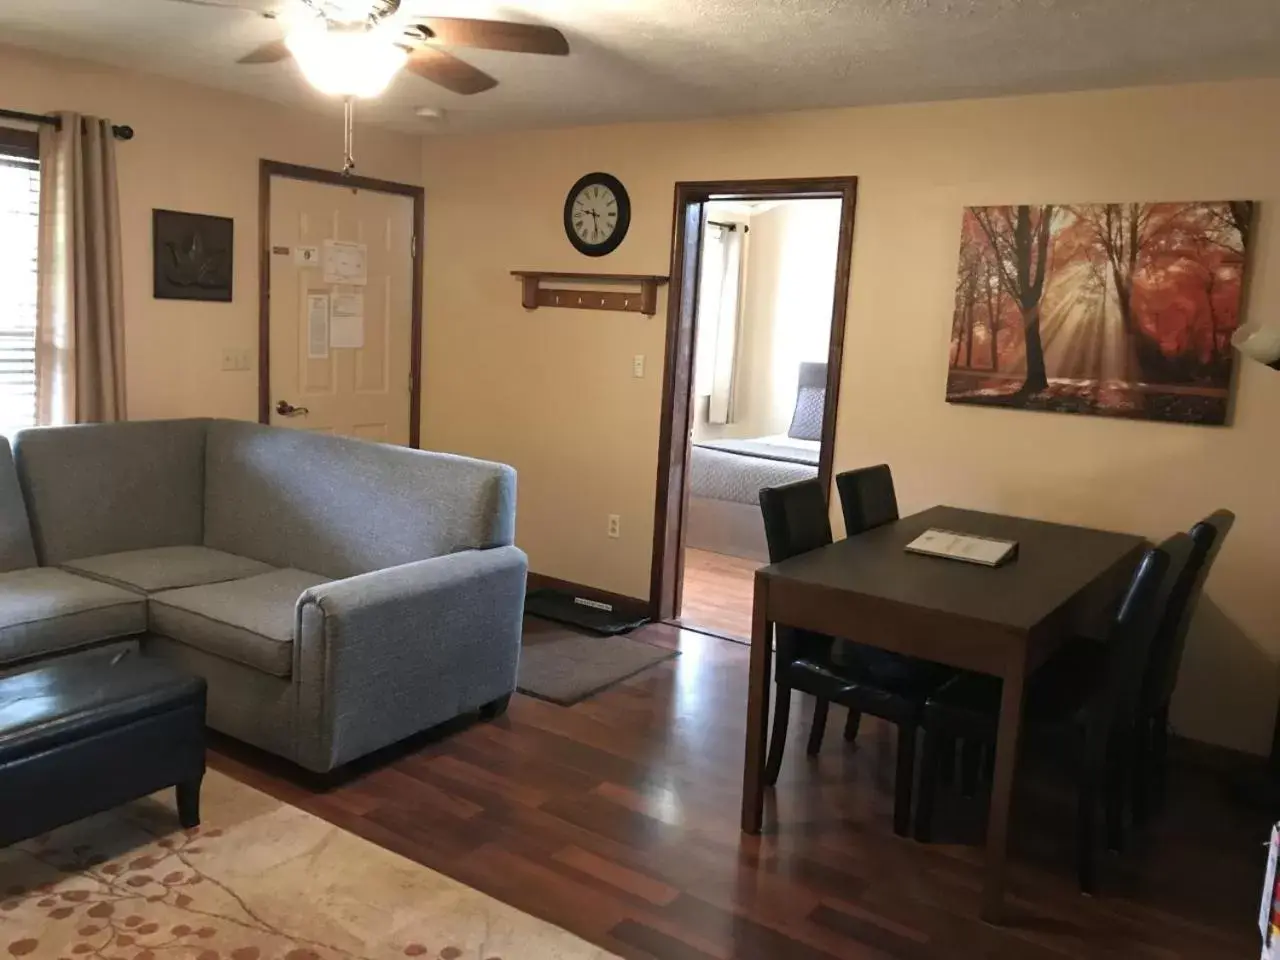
x=355, y=47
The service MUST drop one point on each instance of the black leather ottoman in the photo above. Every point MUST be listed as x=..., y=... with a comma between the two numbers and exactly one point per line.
x=90, y=732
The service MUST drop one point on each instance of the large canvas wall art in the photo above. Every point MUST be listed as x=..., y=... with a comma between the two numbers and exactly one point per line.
x=1117, y=309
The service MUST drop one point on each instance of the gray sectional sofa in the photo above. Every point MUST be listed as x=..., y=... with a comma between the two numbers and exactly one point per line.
x=337, y=595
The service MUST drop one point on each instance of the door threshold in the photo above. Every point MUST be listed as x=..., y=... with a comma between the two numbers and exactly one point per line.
x=708, y=631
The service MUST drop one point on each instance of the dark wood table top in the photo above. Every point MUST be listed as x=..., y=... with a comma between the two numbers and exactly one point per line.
x=1055, y=564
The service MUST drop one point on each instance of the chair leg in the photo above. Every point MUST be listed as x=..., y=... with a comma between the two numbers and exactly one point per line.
x=904, y=779
x=1140, y=772
x=1113, y=792
x=1160, y=758
x=1086, y=818
x=851, y=723
x=819, y=727
x=946, y=759
x=936, y=755
x=778, y=742
x=970, y=766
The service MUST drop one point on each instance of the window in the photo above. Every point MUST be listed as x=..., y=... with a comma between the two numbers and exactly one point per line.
x=19, y=242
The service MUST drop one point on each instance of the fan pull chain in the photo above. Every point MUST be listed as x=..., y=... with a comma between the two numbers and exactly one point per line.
x=349, y=135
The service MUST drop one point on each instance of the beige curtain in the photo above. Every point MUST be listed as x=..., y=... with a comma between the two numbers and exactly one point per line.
x=719, y=319
x=80, y=311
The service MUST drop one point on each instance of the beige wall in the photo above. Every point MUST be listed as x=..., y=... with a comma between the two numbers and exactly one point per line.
x=551, y=391
x=195, y=150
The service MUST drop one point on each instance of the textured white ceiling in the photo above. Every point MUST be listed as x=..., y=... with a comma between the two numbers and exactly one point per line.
x=653, y=59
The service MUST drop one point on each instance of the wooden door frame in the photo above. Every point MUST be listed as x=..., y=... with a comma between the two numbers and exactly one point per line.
x=275, y=168
x=667, y=568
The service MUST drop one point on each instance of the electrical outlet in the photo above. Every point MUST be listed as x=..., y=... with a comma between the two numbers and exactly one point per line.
x=615, y=526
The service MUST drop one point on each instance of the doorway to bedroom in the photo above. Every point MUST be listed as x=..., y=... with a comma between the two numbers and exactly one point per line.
x=760, y=283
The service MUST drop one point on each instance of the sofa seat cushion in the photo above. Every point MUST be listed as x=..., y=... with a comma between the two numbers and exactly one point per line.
x=44, y=610
x=167, y=568
x=251, y=621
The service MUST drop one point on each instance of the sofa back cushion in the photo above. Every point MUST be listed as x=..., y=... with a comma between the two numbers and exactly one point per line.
x=109, y=487
x=17, y=552
x=340, y=507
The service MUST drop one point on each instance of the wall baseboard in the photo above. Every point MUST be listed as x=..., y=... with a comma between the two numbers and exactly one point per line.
x=631, y=606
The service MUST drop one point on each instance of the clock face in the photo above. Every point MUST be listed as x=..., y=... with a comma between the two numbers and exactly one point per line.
x=597, y=213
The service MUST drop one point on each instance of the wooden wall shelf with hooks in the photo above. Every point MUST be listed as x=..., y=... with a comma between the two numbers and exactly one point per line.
x=535, y=295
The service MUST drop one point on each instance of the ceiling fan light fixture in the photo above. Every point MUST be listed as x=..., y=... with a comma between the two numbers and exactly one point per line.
x=357, y=62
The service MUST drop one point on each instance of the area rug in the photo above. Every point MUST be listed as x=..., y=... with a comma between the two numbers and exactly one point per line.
x=258, y=880
x=565, y=667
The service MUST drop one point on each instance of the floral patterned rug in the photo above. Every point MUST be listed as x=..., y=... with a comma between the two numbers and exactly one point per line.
x=258, y=880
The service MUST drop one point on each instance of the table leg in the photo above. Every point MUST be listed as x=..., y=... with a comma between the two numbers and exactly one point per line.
x=1011, y=700
x=757, y=710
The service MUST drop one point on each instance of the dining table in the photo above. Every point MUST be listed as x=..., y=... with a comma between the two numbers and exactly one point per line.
x=1005, y=621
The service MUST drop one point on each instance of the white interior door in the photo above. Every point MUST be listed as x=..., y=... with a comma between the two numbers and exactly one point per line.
x=341, y=310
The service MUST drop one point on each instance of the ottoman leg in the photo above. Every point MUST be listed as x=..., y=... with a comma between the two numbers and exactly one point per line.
x=189, y=803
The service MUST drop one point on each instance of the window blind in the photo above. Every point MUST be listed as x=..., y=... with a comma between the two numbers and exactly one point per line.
x=19, y=243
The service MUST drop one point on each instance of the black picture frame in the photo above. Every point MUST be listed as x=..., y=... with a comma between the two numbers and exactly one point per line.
x=193, y=256
x=619, y=234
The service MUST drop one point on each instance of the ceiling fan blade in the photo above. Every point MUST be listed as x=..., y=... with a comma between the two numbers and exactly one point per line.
x=448, y=71
x=497, y=35
x=272, y=52
x=228, y=5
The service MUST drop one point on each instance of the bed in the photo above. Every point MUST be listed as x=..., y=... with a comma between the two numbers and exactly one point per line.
x=726, y=476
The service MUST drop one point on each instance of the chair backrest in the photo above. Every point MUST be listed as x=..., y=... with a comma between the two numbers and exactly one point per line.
x=1132, y=631
x=867, y=498
x=795, y=518
x=1171, y=635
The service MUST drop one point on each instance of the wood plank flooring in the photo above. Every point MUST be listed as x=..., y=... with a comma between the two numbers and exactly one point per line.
x=717, y=593
x=618, y=820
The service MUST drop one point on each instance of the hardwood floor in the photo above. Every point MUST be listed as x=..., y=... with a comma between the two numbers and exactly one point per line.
x=618, y=820
x=717, y=593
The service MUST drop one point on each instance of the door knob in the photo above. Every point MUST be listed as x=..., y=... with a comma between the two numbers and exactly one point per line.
x=287, y=409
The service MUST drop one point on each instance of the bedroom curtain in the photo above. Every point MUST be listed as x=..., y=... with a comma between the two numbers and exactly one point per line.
x=80, y=306
x=719, y=320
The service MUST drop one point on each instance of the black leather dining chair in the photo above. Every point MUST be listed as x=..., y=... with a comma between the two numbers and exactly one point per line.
x=1151, y=734
x=867, y=500
x=866, y=679
x=1078, y=708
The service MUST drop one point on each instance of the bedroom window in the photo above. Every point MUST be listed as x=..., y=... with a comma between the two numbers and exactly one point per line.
x=19, y=243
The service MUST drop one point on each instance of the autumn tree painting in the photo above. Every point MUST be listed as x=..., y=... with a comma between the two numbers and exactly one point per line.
x=1117, y=309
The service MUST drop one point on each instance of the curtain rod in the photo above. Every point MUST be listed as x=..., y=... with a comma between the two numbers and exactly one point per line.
x=728, y=226
x=121, y=131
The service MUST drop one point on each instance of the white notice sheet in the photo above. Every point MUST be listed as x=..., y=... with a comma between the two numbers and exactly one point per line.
x=962, y=546
x=346, y=320
x=346, y=262
x=317, y=326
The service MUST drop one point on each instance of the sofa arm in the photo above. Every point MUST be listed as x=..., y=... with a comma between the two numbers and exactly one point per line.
x=384, y=655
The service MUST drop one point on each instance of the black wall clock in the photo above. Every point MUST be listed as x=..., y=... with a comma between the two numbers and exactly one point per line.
x=597, y=213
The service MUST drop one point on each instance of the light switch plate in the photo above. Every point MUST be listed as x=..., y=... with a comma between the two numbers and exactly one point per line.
x=637, y=366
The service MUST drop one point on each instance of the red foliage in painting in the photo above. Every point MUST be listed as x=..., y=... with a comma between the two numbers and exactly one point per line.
x=1122, y=309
